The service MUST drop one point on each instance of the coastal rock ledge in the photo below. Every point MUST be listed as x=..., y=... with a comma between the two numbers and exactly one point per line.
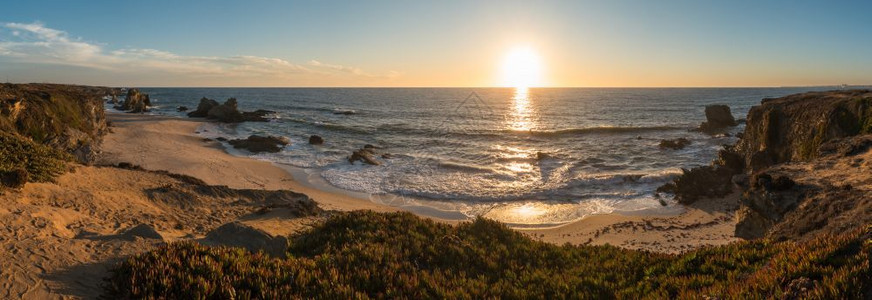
x=803, y=167
x=825, y=136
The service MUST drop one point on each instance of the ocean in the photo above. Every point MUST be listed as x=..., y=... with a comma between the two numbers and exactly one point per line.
x=526, y=157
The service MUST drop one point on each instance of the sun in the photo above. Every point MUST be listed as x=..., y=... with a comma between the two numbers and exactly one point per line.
x=522, y=68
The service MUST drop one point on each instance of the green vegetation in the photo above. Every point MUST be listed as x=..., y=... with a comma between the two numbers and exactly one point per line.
x=37, y=162
x=45, y=112
x=398, y=255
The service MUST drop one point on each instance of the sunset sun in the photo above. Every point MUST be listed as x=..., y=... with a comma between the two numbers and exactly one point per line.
x=521, y=68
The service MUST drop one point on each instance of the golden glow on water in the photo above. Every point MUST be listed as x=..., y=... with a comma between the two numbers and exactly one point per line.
x=522, y=115
x=519, y=167
x=529, y=211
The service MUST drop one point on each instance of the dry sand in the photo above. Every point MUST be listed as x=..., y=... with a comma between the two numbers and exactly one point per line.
x=170, y=144
x=708, y=222
x=57, y=240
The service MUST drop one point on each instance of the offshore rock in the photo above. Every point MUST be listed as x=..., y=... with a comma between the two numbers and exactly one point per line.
x=676, y=144
x=203, y=108
x=256, y=143
x=718, y=117
x=135, y=102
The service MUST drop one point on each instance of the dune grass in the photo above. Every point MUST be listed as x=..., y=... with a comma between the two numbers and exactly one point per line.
x=40, y=163
x=398, y=255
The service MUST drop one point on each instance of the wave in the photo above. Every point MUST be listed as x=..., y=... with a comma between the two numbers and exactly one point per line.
x=597, y=129
x=485, y=133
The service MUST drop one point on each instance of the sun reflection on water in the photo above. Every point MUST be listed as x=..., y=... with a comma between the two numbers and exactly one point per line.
x=522, y=115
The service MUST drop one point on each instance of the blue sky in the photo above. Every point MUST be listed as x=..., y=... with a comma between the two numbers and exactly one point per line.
x=435, y=43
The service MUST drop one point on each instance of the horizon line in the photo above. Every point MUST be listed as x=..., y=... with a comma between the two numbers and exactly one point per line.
x=462, y=87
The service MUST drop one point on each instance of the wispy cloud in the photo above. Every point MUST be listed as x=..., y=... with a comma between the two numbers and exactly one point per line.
x=36, y=43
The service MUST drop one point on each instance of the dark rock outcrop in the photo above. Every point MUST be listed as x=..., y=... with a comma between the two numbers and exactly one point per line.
x=203, y=108
x=718, y=117
x=135, y=102
x=316, y=140
x=256, y=143
x=365, y=155
x=256, y=116
x=794, y=127
x=182, y=108
x=714, y=180
x=227, y=112
x=675, y=144
x=764, y=204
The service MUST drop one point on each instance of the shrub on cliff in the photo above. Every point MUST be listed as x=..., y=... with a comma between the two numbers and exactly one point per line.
x=20, y=158
x=398, y=255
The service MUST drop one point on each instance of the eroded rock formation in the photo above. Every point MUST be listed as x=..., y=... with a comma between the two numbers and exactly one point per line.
x=135, y=102
x=227, y=112
x=793, y=128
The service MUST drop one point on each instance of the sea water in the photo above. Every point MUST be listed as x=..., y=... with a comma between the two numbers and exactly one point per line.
x=528, y=157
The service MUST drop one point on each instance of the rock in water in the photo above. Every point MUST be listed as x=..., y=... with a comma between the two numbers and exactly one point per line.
x=135, y=102
x=718, y=117
x=182, y=108
x=256, y=116
x=316, y=140
x=364, y=155
x=676, y=144
x=256, y=143
x=203, y=108
x=227, y=112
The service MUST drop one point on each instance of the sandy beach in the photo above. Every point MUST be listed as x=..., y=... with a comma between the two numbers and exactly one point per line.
x=171, y=144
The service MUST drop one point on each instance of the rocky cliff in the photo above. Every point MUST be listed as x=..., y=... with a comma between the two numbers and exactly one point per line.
x=66, y=117
x=803, y=167
x=809, y=165
x=793, y=128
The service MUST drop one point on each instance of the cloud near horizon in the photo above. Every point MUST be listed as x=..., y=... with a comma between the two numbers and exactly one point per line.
x=35, y=43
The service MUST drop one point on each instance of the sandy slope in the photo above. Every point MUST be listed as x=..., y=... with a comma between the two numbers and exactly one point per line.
x=59, y=238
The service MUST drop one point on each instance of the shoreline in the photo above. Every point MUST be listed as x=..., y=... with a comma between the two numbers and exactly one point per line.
x=172, y=144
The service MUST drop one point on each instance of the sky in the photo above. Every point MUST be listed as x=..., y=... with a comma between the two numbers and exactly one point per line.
x=436, y=43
